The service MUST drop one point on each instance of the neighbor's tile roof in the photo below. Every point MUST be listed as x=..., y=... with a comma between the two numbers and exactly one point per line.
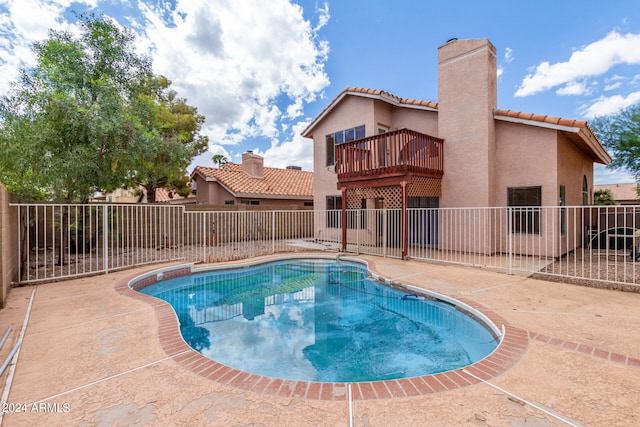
x=165, y=195
x=620, y=192
x=276, y=182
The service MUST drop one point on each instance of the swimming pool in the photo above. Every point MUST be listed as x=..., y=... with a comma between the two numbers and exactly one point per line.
x=321, y=320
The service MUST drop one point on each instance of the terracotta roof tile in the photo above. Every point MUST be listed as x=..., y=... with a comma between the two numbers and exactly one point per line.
x=542, y=118
x=276, y=182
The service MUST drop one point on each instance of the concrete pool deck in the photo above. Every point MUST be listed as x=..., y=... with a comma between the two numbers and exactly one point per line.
x=92, y=356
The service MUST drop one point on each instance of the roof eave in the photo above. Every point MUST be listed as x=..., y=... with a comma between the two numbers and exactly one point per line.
x=599, y=154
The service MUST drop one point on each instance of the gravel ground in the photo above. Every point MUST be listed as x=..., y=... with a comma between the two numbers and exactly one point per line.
x=595, y=268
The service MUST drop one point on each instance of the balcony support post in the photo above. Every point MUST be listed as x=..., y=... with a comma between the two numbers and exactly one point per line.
x=344, y=219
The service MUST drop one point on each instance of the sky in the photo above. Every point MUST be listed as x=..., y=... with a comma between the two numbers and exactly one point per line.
x=260, y=71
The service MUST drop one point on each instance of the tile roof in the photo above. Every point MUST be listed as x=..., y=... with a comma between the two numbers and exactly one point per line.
x=164, y=195
x=620, y=192
x=542, y=118
x=285, y=183
x=578, y=131
x=369, y=93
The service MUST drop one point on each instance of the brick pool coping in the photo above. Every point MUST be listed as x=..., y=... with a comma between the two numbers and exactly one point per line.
x=510, y=350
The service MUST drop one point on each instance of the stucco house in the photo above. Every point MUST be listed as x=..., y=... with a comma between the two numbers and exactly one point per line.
x=623, y=193
x=252, y=184
x=373, y=149
x=128, y=195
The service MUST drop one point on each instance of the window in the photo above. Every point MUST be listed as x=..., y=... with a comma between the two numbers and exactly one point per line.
x=334, y=211
x=340, y=137
x=229, y=202
x=525, y=215
x=250, y=202
x=352, y=216
x=308, y=203
x=585, y=191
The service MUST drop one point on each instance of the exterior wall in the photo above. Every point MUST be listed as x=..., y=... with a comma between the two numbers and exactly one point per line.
x=467, y=97
x=422, y=121
x=572, y=167
x=8, y=243
x=352, y=111
x=276, y=204
x=526, y=156
x=355, y=111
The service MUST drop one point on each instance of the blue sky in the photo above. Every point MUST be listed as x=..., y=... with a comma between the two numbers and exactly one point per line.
x=261, y=70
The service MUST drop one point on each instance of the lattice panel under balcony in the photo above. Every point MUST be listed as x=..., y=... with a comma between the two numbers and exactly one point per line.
x=392, y=196
x=423, y=186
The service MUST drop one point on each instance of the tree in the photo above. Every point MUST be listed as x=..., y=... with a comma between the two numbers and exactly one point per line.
x=620, y=134
x=68, y=129
x=174, y=127
x=220, y=160
x=603, y=198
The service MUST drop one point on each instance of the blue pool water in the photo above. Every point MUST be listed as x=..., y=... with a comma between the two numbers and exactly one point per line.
x=320, y=320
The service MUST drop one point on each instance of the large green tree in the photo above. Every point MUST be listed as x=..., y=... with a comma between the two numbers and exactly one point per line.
x=69, y=127
x=175, y=127
x=620, y=134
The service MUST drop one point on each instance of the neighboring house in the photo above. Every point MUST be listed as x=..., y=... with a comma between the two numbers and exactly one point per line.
x=127, y=195
x=623, y=194
x=375, y=150
x=250, y=183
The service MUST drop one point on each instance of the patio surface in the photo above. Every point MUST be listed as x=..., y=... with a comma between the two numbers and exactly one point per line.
x=92, y=356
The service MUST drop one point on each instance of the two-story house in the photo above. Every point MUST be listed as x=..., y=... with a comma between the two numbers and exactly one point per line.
x=375, y=150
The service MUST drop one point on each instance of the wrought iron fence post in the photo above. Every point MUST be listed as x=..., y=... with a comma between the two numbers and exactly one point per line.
x=358, y=213
x=384, y=233
x=105, y=239
x=273, y=232
x=509, y=235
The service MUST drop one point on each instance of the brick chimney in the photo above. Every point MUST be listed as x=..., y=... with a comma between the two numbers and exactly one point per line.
x=467, y=97
x=253, y=165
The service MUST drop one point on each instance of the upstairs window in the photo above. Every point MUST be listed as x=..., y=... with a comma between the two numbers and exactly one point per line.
x=341, y=137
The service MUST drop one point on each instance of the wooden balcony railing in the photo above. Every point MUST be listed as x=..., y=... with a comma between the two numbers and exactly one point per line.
x=390, y=154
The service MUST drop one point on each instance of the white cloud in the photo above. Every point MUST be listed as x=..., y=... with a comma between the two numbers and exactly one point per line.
x=236, y=60
x=508, y=55
x=296, y=152
x=247, y=66
x=604, y=106
x=574, y=88
x=592, y=60
x=613, y=86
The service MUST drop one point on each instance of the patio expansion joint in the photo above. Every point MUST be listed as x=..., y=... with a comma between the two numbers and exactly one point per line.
x=102, y=380
x=96, y=320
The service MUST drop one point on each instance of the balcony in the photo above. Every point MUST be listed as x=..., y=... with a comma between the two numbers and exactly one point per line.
x=389, y=157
